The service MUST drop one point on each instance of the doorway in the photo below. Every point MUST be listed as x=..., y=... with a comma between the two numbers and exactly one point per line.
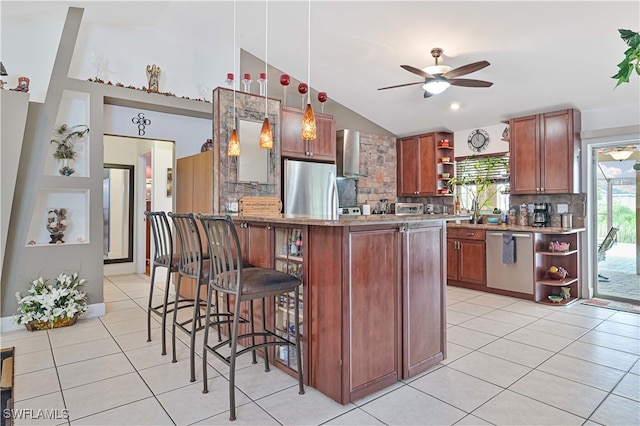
x=153, y=162
x=616, y=193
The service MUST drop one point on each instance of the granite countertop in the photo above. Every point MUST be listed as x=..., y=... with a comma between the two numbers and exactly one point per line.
x=346, y=220
x=517, y=228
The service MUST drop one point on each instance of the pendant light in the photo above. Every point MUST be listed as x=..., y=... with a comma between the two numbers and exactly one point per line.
x=234, y=143
x=266, y=137
x=309, y=121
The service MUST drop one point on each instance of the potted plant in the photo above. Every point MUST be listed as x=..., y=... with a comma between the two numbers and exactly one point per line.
x=52, y=305
x=631, y=59
x=477, y=175
x=66, y=139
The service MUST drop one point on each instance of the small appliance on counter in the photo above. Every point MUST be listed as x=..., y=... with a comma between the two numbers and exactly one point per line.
x=541, y=214
x=349, y=211
x=409, y=209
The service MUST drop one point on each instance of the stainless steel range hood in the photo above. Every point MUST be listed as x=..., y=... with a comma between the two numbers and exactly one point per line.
x=348, y=154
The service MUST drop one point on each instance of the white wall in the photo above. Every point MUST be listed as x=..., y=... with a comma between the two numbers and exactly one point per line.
x=188, y=133
x=461, y=148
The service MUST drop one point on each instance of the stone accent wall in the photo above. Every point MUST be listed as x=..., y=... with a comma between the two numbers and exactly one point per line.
x=378, y=161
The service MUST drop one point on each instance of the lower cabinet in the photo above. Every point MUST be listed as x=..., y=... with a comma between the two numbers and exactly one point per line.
x=372, y=306
x=466, y=258
x=377, y=306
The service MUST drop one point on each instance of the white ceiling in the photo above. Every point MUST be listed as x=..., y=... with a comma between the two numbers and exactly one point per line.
x=543, y=55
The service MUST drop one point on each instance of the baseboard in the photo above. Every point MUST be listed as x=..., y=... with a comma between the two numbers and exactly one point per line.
x=95, y=310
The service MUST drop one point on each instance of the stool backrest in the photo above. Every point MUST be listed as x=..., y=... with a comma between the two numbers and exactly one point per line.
x=162, y=239
x=189, y=244
x=226, y=253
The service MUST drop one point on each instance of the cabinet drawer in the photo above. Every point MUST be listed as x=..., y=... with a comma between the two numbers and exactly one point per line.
x=465, y=233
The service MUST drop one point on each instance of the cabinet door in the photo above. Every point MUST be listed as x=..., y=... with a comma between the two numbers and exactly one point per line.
x=258, y=249
x=426, y=173
x=557, y=151
x=324, y=147
x=202, y=201
x=524, y=155
x=291, y=142
x=472, y=261
x=408, y=164
x=374, y=320
x=452, y=259
x=423, y=304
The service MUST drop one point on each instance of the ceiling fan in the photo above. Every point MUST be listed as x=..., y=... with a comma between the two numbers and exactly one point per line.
x=438, y=78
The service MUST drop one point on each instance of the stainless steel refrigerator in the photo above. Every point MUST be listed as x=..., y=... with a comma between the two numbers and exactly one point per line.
x=310, y=189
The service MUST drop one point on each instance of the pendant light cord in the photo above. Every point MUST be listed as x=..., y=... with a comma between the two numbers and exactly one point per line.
x=309, y=53
x=234, y=63
x=266, y=57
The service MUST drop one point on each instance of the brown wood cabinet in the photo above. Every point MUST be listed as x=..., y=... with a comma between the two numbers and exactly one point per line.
x=321, y=149
x=545, y=153
x=194, y=183
x=194, y=194
x=423, y=302
x=466, y=257
x=377, y=307
x=420, y=164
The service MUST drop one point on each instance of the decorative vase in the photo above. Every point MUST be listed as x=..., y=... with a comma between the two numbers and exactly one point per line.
x=56, y=224
x=66, y=169
x=207, y=146
x=57, y=238
x=57, y=323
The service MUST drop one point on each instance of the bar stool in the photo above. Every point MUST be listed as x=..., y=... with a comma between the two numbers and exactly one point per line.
x=194, y=264
x=163, y=257
x=228, y=276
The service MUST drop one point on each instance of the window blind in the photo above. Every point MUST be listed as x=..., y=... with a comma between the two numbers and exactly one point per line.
x=476, y=168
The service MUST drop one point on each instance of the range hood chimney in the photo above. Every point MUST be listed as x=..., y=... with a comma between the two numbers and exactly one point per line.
x=348, y=154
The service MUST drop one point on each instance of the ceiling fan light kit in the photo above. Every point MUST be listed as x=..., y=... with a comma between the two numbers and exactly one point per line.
x=436, y=86
x=438, y=78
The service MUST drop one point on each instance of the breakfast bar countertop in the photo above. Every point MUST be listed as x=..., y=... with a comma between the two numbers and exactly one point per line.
x=517, y=228
x=346, y=220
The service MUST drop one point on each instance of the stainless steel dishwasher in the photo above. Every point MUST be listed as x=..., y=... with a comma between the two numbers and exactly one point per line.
x=517, y=276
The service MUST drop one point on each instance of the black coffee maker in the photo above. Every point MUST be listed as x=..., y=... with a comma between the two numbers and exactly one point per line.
x=541, y=214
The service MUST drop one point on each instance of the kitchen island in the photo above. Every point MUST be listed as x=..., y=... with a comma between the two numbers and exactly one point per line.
x=374, y=294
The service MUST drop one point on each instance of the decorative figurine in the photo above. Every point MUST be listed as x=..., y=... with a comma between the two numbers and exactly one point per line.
x=153, y=72
x=23, y=85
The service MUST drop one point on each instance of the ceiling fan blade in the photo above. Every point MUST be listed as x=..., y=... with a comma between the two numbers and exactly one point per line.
x=468, y=82
x=466, y=69
x=418, y=71
x=400, y=85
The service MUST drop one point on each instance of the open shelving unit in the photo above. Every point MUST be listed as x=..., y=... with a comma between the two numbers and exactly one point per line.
x=444, y=153
x=288, y=258
x=545, y=257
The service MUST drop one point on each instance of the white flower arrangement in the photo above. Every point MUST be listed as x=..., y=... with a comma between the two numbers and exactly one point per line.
x=49, y=302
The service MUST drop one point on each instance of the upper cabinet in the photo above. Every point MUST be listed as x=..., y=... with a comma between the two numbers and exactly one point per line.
x=422, y=169
x=321, y=149
x=545, y=153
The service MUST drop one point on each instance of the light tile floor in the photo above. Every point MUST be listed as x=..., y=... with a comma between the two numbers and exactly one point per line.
x=509, y=362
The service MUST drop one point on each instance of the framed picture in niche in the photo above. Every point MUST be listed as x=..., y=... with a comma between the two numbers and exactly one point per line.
x=169, y=182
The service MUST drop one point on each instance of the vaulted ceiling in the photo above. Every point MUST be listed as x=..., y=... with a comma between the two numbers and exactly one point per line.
x=543, y=55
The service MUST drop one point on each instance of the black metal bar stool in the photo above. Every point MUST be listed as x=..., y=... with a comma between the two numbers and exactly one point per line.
x=163, y=257
x=194, y=264
x=230, y=277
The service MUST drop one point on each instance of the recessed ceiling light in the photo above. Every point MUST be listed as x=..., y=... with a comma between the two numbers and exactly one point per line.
x=454, y=106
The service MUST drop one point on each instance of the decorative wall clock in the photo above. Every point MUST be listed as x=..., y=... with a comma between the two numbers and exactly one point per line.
x=478, y=140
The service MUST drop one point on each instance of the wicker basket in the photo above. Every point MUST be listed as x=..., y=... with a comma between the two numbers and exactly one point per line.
x=60, y=322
